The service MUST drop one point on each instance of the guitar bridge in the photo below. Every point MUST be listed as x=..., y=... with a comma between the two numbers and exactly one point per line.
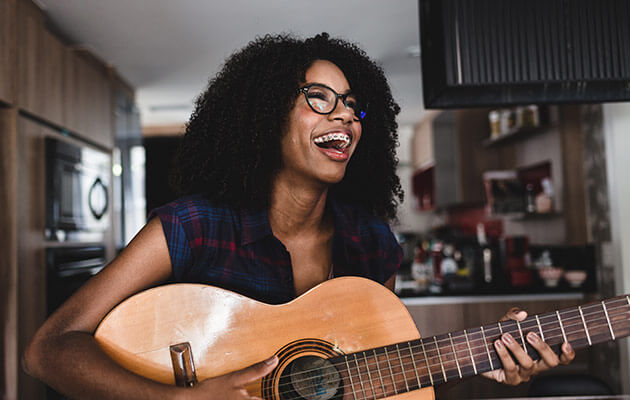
x=183, y=365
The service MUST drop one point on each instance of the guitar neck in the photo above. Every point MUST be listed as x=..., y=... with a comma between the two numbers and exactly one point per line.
x=407, y=366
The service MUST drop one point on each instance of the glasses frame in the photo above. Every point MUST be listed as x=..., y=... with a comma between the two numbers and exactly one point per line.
x=343, y=97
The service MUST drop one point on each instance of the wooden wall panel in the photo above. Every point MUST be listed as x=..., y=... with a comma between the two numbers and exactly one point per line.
x=9, y=365
x=40, y=66
x=31, y=260
x=89, y=103
x=574, y=200
x=7, y=50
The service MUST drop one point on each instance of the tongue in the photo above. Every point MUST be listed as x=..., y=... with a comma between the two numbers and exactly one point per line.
x=333, y=144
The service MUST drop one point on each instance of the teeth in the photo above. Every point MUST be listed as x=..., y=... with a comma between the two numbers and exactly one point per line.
x=334, y=136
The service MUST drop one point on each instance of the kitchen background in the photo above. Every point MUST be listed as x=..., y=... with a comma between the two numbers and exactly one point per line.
x=520, y=204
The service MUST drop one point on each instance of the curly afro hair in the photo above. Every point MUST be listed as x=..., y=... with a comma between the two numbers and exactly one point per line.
x=232, y=146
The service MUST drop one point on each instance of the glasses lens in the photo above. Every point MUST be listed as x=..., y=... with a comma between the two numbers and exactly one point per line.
x=321, y=99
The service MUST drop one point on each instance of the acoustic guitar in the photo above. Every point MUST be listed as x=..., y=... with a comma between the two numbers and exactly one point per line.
x=347, y=338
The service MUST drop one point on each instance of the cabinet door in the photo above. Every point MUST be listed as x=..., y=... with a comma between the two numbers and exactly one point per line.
x=41, y=57
x=446, y=155
x=7, y=50
x=88, y=91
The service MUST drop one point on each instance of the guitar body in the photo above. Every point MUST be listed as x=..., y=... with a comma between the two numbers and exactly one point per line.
x=228, y=332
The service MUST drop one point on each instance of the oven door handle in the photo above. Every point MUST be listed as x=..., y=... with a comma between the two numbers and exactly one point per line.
x=90, y=266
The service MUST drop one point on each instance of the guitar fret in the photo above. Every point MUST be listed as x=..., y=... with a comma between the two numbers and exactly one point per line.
x=471, y=353
x=378, y=369
x=402, y=367
x=542, y=335
x=628, y=299
x=588, y=336
x=437, y=347
x=354, y=394
x=485, y=344
x=367, y=367
x=520, y=331
x=500, y=328
x=564, y=335
x=413, y=361
x=389, y=364
x=356, y=361
x=612, y=334
x=459, y=371
x=426, y=359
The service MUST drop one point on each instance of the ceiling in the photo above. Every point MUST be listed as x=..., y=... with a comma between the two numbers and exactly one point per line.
x=169, y=49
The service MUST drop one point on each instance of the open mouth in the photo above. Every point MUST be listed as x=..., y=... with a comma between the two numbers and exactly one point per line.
x=337, y=141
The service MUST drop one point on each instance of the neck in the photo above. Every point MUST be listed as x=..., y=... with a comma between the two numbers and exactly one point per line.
x=296, y=209
x=406, y=366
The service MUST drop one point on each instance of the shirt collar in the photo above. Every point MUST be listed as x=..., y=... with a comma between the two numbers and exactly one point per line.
x=254, y=224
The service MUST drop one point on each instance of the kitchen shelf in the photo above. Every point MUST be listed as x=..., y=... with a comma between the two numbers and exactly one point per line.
x=514, y=136
x=529, y=216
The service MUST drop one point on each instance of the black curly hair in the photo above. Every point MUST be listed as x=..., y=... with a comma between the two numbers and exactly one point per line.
x=231, y=149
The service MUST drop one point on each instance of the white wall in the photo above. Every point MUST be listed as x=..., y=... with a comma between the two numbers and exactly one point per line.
x=617, y=134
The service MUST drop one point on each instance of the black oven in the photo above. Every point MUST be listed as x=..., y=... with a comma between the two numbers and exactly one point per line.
x=77, y=191
x=67, y=269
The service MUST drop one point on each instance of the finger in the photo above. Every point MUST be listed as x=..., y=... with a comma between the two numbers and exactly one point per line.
x=254, y=372
x=514, y=314
x=525, y=362
x=509, y=366
x=567, y=354
x=549, y=357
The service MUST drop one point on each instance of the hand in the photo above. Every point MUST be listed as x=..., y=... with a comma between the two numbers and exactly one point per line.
x=513, y=373
x=232, y=386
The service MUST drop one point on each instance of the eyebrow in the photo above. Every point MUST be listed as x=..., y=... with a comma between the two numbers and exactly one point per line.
x=349, y=91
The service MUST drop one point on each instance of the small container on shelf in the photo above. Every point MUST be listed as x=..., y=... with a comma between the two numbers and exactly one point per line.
x=530, y=117
x=494, y=118
x=551, y=275
x=575, y=278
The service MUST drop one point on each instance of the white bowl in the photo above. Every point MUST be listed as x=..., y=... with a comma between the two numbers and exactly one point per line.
x=575, y=278
x=551, y=275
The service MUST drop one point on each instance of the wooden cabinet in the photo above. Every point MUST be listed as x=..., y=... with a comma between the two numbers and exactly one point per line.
x=460, y=157
x=88, y=110
x=40, y=66
x=7, y=50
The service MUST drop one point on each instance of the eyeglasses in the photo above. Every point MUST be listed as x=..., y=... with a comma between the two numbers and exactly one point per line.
x=323, y=100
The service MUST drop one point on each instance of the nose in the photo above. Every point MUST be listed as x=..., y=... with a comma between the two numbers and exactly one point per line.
x=342, y=113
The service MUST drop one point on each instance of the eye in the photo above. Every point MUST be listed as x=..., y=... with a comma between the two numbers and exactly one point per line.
x=318, y=93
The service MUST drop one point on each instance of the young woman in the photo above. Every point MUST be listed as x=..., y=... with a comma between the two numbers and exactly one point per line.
x=288, y=170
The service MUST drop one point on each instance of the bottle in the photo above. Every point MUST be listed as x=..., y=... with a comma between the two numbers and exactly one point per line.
x=486, y=253
x=530, y=204
x=544, y=200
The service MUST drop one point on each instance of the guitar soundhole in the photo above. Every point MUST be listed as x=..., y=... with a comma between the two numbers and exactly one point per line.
x=310, y=378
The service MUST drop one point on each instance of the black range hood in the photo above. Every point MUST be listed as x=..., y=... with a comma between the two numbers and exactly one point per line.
x=503, y=52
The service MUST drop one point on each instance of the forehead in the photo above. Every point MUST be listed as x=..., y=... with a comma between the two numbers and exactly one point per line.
x=323, y=71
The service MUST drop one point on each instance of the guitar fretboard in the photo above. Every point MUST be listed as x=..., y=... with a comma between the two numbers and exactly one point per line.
x=403, y=367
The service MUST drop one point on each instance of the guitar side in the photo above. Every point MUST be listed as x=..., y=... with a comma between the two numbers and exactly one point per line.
x=228, y=332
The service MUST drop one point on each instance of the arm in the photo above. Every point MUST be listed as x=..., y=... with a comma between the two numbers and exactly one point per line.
x=64, y=354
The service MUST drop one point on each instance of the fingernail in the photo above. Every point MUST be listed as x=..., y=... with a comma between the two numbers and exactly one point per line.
x=270, y=360
x=499, y=344
x=507, y=338
x=533, y=338
x=568, y=347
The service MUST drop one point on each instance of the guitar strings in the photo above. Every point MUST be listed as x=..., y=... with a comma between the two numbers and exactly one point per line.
x=391, y=377
x=438, y=365
x=554, y=322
